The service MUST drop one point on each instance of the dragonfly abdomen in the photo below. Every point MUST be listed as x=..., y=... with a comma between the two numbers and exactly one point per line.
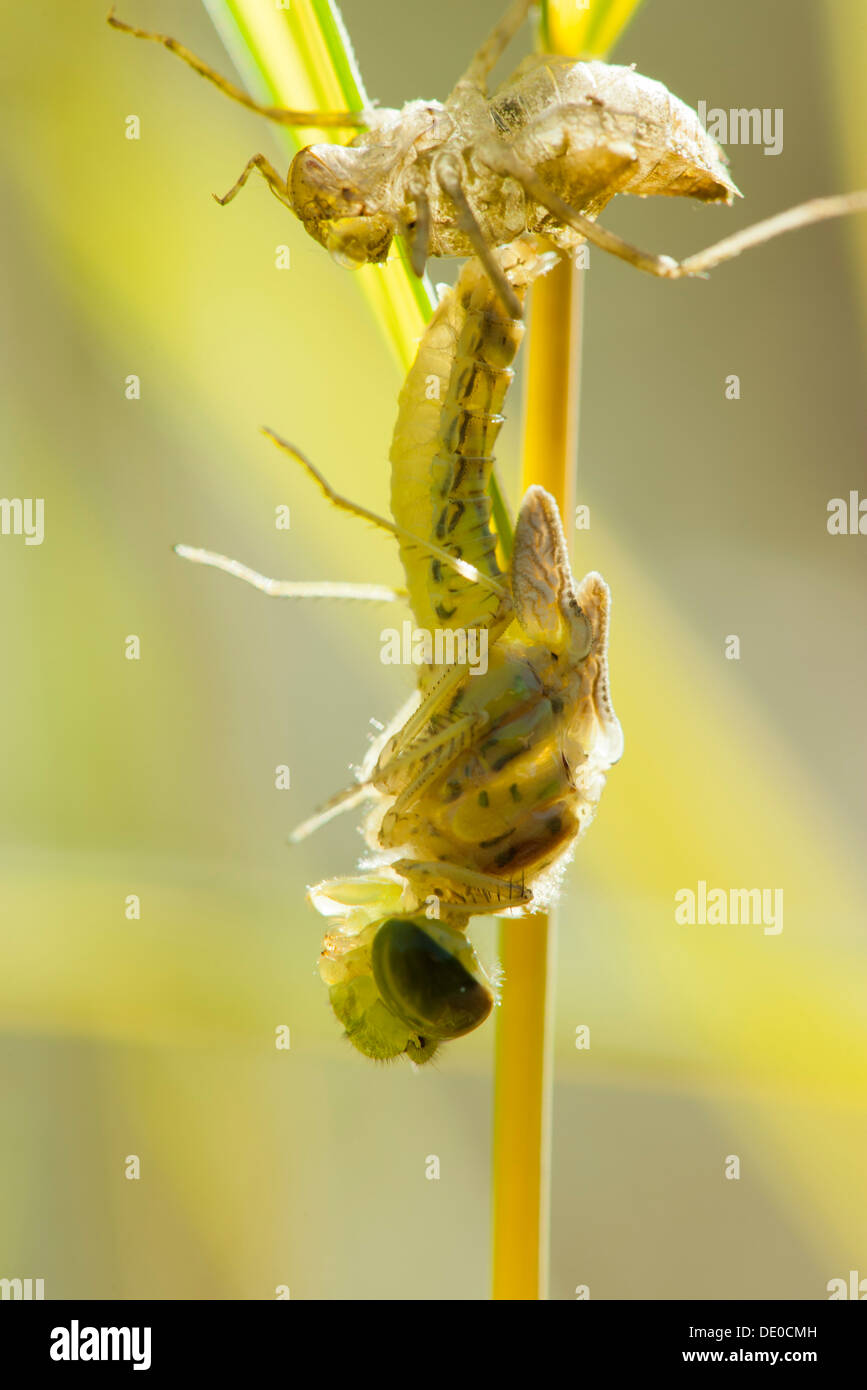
x=450, y=415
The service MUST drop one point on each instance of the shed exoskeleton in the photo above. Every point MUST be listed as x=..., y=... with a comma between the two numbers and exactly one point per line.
x=545, y=152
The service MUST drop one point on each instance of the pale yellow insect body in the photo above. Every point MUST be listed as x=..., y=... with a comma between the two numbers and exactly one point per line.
x=481, y=792
x=484, y=781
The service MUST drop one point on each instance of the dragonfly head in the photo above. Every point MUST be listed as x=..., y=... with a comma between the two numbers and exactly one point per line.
x=415, y=984
x=337, y=192
x=428, y=975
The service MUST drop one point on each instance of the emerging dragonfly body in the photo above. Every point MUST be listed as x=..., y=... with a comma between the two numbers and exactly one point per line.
x=481, y=793
x=480, y=787
x=544, y=153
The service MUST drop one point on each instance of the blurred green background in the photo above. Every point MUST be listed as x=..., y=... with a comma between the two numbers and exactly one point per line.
x=708, y=517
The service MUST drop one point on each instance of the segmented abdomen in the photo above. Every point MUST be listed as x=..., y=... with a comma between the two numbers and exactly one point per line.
x=449, y=416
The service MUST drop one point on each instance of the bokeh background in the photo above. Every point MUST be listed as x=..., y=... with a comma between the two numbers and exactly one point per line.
x=708, y=518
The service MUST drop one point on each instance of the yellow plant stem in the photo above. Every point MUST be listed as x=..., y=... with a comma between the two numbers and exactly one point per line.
x=524, y=1052
x=524, y=1061
x=553, y=375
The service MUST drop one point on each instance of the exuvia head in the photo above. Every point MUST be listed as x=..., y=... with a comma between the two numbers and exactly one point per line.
x=337, y=192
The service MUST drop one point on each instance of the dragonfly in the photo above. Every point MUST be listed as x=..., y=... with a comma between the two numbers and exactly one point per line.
x=479, y=789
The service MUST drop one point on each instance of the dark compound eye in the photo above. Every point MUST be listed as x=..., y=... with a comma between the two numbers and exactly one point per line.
x=428, y=975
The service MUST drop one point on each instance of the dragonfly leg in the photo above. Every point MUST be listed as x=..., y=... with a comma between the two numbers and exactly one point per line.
x=275, y=182
x=434, y=704
x=449, y=179
x=289, y=588
x=456, y=887
x=462, y=567
x=505, y=160
x=487, y=56
x=434, y=753
x=335, y=806
x=416, y=231
x=280, y=114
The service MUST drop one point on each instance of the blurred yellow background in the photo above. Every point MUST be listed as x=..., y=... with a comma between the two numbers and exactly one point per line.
x=155, y=777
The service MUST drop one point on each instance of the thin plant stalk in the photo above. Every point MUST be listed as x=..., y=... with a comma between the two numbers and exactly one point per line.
x=527, y=947
x=523, y=1089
